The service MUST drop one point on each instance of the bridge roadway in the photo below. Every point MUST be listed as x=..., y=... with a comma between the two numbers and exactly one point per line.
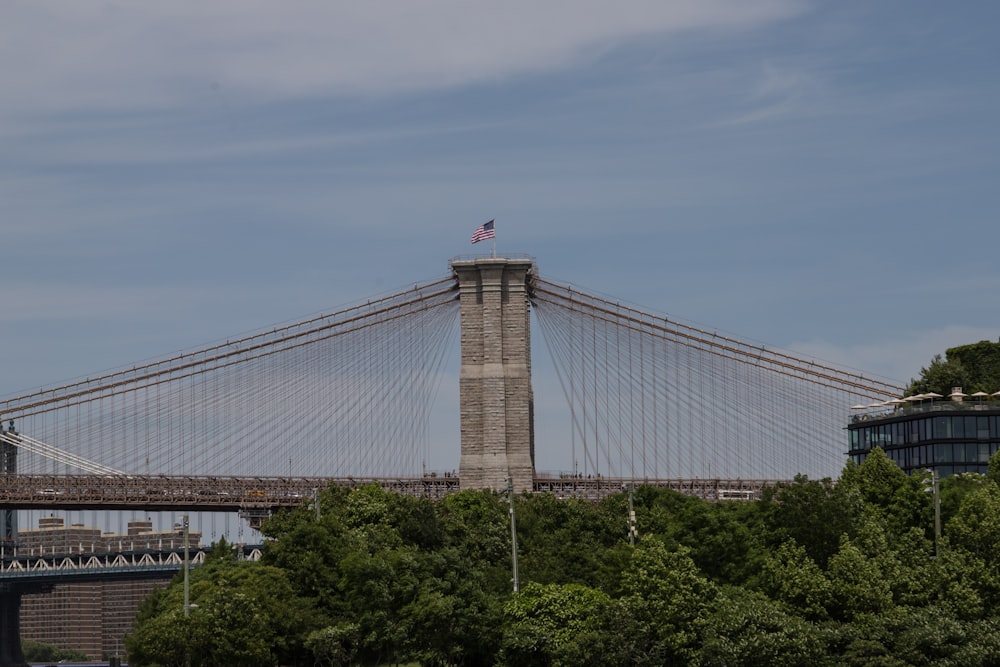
x=266, y=494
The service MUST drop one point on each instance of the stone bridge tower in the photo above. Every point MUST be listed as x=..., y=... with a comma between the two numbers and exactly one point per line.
x=496, y=401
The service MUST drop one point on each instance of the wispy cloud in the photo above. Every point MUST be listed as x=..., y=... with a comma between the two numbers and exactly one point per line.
x=109, y=55
x=146, y=148
x=778, y=91
x=711, y=158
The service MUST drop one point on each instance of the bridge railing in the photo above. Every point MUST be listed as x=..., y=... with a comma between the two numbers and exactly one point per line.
x=246, y=494
x=162, y=492
x=593, y=487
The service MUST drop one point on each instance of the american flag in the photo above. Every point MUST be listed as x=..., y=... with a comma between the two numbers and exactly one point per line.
x=484, y=232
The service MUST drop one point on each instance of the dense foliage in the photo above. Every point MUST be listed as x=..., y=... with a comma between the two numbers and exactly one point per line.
x=48, y=653
x=974, y=367
x=815, y=573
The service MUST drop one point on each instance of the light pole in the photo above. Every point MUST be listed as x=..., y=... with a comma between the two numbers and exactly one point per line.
x=187, y=582
x=633, y=532
x=932, y=485
x=513, y=533
x=187, y=588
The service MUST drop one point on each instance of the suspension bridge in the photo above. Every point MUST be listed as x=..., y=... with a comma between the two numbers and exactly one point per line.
x=349, y=395
x=260, y=421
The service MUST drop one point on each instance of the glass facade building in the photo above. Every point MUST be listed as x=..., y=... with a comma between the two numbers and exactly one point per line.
x=949, y=436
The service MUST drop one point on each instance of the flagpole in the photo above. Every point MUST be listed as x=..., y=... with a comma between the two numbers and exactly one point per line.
x=494, y=240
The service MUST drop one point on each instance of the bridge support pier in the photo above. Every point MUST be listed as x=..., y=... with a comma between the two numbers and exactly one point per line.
x=10, y=596
x=8, y=466
x=10, y=628
x=496, y=401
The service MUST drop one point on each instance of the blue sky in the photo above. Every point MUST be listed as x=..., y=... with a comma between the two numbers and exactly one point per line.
x=821, y=177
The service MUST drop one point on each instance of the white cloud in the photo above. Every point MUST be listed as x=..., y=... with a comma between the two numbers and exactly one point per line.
x=135, y=55
x=147, y=147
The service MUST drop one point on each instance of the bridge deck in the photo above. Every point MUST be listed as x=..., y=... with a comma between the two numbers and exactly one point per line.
x=231, y=494
x=189, y=493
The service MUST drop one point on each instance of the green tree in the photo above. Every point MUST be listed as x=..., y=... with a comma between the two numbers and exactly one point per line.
x=563, y=541
x=723, y=538
x=790, y=576
x=376, y=585
x=310, y=554
x=981, y=647
x=669, y=599
x=939, y=377
x=747, y=628
x=954, y=489
x=556, y=624
x=420, y=580
x=166, y=638
x=916, y=581
x=334, y=645
x=476, y=523
x=813, y=513
x=241, y=613
x=416, y=521
x=883, y=486
x=454, y=618
x=976, y=525
x=857, y=583
x=817, y=571
x=35, y=651
x=964, y=585
x=974, y=367
x=922, y=635
x=239, y=632
x=993, y=471
x=982, y=364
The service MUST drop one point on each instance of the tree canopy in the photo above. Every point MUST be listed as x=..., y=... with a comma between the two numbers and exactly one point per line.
x=974, y=367
x=817, y=572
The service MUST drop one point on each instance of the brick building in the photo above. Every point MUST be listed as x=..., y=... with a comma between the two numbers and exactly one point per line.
x=92, y=617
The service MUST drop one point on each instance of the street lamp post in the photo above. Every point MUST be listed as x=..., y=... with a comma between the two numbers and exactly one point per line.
x=935, y=488
x=187, y=582
x=513, y=534
x=633, y=532
x=187, y=586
